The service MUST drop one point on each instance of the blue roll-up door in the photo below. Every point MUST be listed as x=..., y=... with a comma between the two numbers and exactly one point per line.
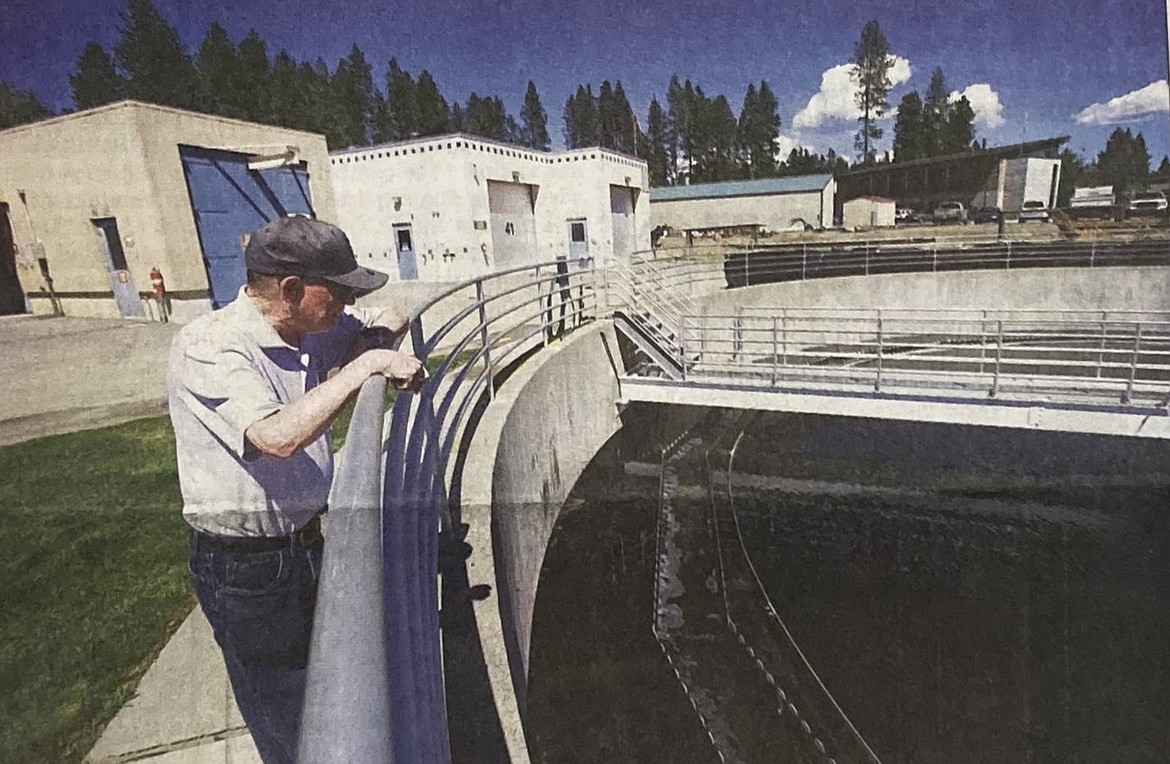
x=230, y=201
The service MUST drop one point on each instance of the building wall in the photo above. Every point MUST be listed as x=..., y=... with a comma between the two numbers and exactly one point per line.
x=1029, y=179
x=122, y=161
x=440, y=187
x=868, y=213
x=774, y=212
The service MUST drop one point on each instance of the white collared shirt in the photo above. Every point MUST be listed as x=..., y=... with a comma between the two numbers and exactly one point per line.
x=228, y=370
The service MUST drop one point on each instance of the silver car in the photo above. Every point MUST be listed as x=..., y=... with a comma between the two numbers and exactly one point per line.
x=1034, y=211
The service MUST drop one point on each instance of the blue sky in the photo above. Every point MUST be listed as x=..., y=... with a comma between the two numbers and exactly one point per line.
x=1032, y=69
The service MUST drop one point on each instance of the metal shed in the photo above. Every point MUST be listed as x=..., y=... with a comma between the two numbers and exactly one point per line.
x=91, y=203
x=868, y=212
x=773, y=204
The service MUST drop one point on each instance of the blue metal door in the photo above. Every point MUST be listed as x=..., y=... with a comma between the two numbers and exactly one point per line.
x=121, y=282
x=231, y=201
x=404, y=244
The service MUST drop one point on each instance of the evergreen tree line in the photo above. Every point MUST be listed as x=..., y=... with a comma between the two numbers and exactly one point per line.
x=241, y=80
x=933, y=126
x=696, y=138
x=690, y=137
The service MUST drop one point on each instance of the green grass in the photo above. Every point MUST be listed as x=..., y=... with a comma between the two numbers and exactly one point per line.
x=93, y=560
x=93, y=564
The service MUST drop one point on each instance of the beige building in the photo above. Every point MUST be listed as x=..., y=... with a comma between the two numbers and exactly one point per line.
x=96, y=200
x=453, y=207
x=767, y=204
x=868, y=212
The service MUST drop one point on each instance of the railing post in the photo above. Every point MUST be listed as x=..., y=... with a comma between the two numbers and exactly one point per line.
x=982, y=340
x=804, y=262
x=775, y=349
x=1133, y=363
x=546, y=328
x=998, y=356
x=483, y=338
x=737, y=334
x=934, y=257
x=867, y=258
x=1008, y=260
x=784, y=334
x=682, y=345
x=1093, y=253
x=877, y=385
x=1101, y=346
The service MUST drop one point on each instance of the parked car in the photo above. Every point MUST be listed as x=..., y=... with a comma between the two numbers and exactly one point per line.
x=1148, y=203
x=986, y=215
x=950, y=212
x=1034, y=211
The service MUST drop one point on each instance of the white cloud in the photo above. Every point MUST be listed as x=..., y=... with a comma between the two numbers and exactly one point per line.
x=1151, y=99
x=836, y=98
x=785, y=145
x=984, y=102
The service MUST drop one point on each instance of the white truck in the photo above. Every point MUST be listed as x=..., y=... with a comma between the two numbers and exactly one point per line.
x=1093, y=201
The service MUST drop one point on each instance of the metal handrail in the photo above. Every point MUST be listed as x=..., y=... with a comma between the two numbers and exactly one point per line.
x=375, y=692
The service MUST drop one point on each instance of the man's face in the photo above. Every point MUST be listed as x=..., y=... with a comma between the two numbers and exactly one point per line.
x=321, y=305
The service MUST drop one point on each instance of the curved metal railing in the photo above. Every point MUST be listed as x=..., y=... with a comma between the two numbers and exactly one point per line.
x=375, y=691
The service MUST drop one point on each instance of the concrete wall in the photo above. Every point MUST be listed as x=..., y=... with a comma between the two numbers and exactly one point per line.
x=544, y=426
x=122, y=161
x=439, y=187
x=1130, y=288
x=774, y=212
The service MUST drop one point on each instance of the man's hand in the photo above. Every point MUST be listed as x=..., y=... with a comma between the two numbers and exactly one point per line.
x=394, y=320
x=403, y=370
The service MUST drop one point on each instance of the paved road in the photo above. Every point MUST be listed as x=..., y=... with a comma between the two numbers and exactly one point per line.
x=69, y=374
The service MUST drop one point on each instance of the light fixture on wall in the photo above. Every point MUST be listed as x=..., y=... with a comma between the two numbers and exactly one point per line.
x=397, y=203
x=515, y=177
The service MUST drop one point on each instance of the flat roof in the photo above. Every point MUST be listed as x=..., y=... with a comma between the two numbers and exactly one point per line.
x=422, y=139
x=792, y=184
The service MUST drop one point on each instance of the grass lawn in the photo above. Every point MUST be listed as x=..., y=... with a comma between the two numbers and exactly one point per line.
x=93, y=560
x=93, y=557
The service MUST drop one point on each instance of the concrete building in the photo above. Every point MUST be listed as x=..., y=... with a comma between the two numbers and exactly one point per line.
x=767, y=204
x=95, y=200
x=868, y=212
x=453, y=207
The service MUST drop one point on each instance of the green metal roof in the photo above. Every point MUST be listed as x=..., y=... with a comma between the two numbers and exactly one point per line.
x=795, y=184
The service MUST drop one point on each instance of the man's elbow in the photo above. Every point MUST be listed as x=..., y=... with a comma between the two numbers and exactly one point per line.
x=272, y=444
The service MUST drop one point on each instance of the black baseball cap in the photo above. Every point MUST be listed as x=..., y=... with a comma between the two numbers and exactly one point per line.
x=313, y=249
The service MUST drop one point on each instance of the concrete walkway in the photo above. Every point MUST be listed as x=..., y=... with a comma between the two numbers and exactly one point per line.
x=183, y=712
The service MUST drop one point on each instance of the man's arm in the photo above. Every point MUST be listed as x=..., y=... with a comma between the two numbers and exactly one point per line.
x=299, y=423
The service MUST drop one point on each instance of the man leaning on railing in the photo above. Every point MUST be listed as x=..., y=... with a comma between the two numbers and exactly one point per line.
x=252, y=405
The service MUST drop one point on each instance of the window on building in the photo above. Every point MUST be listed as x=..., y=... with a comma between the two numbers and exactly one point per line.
x=577, y=231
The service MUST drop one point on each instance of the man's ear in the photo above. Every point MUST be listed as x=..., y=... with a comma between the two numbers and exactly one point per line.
x=292, y=289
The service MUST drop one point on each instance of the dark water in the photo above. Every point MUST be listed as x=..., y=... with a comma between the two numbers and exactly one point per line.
x=961, y=594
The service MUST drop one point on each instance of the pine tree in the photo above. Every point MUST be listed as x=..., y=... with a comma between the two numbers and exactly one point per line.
x=936, y=114
x=19, y=107
x=626, y=130
x=458, y=118
x=657, y=153
x=218, y=70
x=871, y=64
x=154, y=60
x=581, y=119
x=433, y=111
x=1164, y=168
x=759, y=127
x=401, y=103
x=959, y=131
x=287, y=99
x=534, y=130
x=255, y=79
x=675, y=117
x=722, y=163
x=96, y=81
x=607, y=117
x=1124, y=163
x=911, y=140
x=488, y=117
x=352, y=89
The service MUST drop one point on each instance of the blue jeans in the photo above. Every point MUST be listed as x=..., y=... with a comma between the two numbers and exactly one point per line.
x=260, y=607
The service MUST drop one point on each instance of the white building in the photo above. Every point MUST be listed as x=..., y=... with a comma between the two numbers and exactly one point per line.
x=453, y=207
x=771, y=204
x=868, y=212
x=1015, y=181
x=96, y=200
